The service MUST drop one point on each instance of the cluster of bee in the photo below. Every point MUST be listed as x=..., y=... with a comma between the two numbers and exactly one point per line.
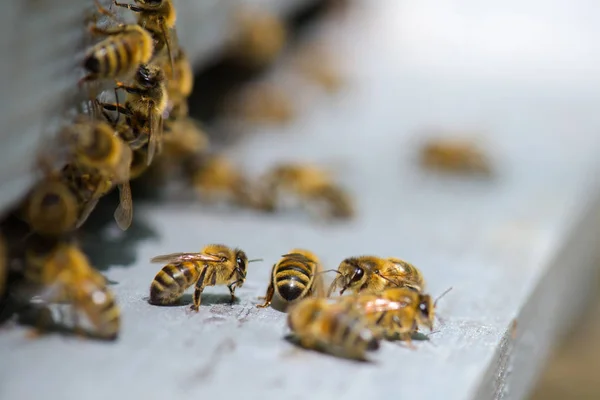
x=388, y=300
x=99, y=151
x=111, y=143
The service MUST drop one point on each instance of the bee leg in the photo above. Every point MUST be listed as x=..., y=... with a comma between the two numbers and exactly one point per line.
x=115, y=107
x=270, y=291
x=200, y=285
x=130, y=6
x=231, y=288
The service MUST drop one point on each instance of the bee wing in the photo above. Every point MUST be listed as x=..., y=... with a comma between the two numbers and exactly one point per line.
x=381, y=305
x=122, y=170
x=182, y=257
x=168, y=43
x=124, y=212
x=152, y=134
x=86, y=211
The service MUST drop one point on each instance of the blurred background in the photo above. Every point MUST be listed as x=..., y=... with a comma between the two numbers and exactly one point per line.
x=463, y=90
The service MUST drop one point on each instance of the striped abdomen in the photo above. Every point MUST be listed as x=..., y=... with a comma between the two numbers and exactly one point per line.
x=98, y=303
x=171, y=281
x=117, y=55
x=293, y=279
x=348, y=333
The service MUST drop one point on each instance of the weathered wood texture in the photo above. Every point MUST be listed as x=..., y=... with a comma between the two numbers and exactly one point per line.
x=517, y=247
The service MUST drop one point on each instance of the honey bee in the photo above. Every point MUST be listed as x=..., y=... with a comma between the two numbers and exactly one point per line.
x=371, y=274
x=179, y=83
x=3, y=264
x=139, y=162
x=395, y=313
x=95, y=145
x=214, y=177
x=456, y=156
x=409, y=275
x=215, y=265
x=65, y=274
x=316, y=65
x=333, y=328
x=120, y=54
x=311, y=185
x=261, y=103
x=145, y=104
x=51, y=208
x=260, y=39
x=185, y=137
x=296, y=275
x=157, y=17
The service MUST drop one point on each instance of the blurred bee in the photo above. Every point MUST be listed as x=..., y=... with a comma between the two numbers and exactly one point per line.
x=214, y=178
x=51, y=208
x=371, y=274
x=260, y=38
x=120, y=54
x=310, y=184
x=95, y=145
x=157, y=17
x=215, y=265
x=139, y=162
x=296, y=275
x=90, y=185
x=395, y=313
x=454, y=155
x=316, y=65
x=179, y=83
x=325, y=326
x=65, y=274
x=261, y=103
x=185, y=138
x=3, y=264
x=145, y=104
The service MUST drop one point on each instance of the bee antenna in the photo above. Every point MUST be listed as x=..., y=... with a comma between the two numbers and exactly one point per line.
x=442, y=295
x=255, y=260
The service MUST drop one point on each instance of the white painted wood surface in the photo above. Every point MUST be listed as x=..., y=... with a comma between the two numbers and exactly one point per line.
x=520, y=246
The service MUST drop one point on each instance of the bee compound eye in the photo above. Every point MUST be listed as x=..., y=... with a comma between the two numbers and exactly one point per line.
x=358, y=275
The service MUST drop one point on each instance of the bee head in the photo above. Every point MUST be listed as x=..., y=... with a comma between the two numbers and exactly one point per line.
x=148, y=76
x=351, y=274
x=150, y=3
x=425, y=311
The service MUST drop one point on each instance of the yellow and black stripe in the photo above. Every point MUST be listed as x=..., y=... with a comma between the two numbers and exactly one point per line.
x=171, y=281
x=293, y=276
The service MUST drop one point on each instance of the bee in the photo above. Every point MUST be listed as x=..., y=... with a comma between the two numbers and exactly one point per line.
x=120, y=54
x=329, y=327
x=311, y=185
x=96, y=145
x=214, y=177
x=395, y=313
x=185, y=138
x=139, y=162
x=316, y=65
x=409, y=275
x=179, y=83
x=157, y=17
x=456, y=156
x=51, y=208
x=296, y=275
x=261, y=103
x=260, y=39
x=145, y=104
x=3, y=264
x=371, y=274
x=215, y=265
x=65, y=274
